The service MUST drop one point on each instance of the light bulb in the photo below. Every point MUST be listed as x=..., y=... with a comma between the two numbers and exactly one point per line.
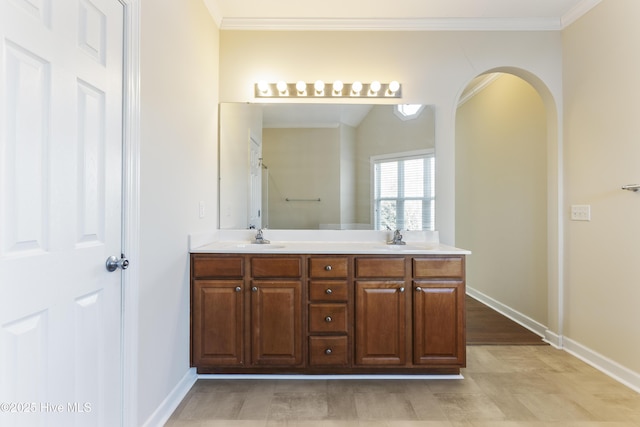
x=337, y=87
x=301, y=87
x=263, y=87
x=319, y=86
x=394, y=86
x=375, y=86
x=282, y=87
x=356, y=88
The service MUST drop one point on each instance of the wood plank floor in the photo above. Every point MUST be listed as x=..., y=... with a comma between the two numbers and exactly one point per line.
x=503, y=386
x=486, y=326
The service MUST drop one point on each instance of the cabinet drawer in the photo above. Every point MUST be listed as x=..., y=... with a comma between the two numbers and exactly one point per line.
x=218, y=267
x=328, y=290
x=328, y=318
x=328, y=351
x=335, y=267
x=380, y=267
x=441, y=267
x=276, y=267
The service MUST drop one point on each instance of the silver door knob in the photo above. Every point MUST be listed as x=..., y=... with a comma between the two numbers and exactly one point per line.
x=402, y=289
x=327, y=267
x=254, y=289
x=113, y=263
x=328, y=292
x=328, y=319
x=328, y=351
x=238, y=288
x=418, y=289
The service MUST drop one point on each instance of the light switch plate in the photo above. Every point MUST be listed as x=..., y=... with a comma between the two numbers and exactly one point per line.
x=580, y=212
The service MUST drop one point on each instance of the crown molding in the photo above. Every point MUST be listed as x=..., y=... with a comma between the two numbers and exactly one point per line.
x=408, y=24
x=214, y=10
x=577, y=12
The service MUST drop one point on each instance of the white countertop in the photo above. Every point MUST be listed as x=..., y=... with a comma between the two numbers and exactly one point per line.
x=321, y=242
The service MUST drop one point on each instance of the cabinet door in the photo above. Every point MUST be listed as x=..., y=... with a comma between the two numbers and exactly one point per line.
x=276, y=322
x=217, y=323
x=380, y=323
x=438, y=329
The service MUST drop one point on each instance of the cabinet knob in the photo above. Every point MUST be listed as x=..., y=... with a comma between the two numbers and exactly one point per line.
x=418, y=289
x=328, y=291
x=238, y=288
x=328, y=351
x=327, y=267
x=402, y=289
x=328, y=319
x=254, y=289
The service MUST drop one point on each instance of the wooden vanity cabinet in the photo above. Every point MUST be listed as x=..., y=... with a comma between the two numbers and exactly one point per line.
x=381, y=311
x=342, y=314
x=438, y=311
x=329, y=312
x=246, y=312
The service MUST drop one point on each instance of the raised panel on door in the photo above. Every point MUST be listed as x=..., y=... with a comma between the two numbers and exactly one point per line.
x=61, y=92
x=276, y=322
x=217, y=335
x=380, y=323
x=438, y=329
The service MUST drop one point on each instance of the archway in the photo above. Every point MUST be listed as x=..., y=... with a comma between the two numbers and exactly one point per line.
x=507, y=197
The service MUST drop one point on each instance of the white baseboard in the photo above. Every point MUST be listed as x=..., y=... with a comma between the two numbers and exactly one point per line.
x=525, y=321
x=609, y=367
x=605, y=365
x=162, y=414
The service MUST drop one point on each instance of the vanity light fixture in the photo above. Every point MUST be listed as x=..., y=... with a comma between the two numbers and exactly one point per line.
x=319, y=89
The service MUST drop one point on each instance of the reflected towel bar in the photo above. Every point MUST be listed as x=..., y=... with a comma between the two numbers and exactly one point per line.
x=631, y=187
x=302, y=200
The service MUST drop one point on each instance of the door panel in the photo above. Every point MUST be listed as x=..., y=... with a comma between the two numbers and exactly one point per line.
x=60, y=210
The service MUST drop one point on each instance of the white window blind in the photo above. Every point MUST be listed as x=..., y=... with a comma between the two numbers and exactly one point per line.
x=404, y=192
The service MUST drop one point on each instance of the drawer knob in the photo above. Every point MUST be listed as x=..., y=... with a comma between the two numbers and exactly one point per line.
x=328, y=291
x=418, y=289
x=402, y=289
x=238, y=288
x=328, y=319
x=328, y=351
x=327, y=267
x=254, y=289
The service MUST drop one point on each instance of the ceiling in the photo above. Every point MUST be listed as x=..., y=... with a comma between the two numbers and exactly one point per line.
x=533, y=15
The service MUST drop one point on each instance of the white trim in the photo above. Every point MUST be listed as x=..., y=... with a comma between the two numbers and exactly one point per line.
x=553, y=339
x=391, y=24
x=577, y=12
x=521, y=319
x=611, y=368
x=214, y=10
x=476, y=89
x=327, y=377
x=131, y=210
x=163, y=412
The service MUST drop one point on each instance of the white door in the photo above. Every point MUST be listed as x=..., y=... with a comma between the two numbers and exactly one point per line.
x=60, y=212
x=255, y=181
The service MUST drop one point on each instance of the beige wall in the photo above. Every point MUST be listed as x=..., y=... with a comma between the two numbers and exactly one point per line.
x=501, y=194
x=602, y=153
x=178, y=167
x=303, y=164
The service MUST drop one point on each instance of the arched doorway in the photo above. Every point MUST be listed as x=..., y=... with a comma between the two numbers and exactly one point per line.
x=507, y=191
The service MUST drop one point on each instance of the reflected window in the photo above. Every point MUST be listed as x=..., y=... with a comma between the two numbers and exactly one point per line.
x=404, y=191
x=408, y=111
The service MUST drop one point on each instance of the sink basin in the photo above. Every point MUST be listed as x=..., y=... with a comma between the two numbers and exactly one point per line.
x=407, y=248
x=256, y=246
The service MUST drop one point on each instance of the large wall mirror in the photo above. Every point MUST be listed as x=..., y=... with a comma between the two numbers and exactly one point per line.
x=326, y=166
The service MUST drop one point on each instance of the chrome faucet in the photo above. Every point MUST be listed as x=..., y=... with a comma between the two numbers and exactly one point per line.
x=260, y=240
x=397, y=239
